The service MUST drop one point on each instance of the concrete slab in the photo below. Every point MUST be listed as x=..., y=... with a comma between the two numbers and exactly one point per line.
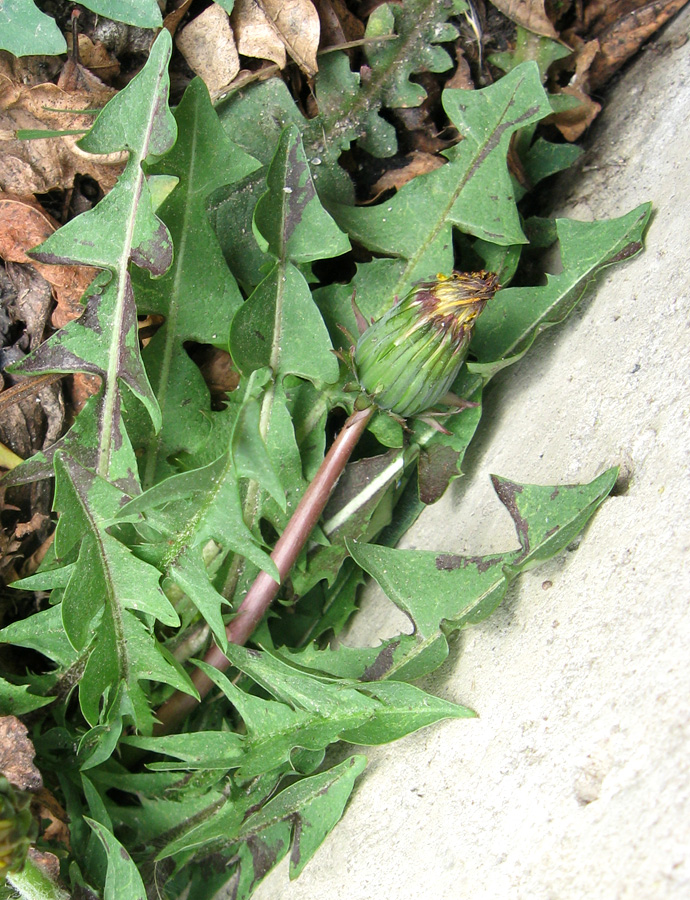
x=575, y=780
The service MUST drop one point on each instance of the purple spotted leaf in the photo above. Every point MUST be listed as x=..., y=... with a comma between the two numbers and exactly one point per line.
x=280, y=326
x=509, y=326
x=253, y=831
x=442, y=592
x=299, y=818
x=121, y=229
x=106, y=589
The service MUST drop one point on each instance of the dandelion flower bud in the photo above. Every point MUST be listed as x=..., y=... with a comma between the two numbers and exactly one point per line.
x=17, y=827
x=409, y=358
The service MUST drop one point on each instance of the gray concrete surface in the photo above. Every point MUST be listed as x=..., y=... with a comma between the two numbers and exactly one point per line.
x=574, y=782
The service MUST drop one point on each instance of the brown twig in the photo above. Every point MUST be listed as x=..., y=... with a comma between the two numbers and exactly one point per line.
x=28, y=388
x=265, y=587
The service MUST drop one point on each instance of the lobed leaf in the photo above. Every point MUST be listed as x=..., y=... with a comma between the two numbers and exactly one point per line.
x=108, y=583
x=218, y=824
x=297, y=820
x=305, y=812
x=17, y=699
x=104, y=340
x=188, y=510
x=350, y=105
x=473, y=191
x=309, y=712
x=279, y=326
x=209, y=793
x=443, y=592
x=43, y=632
x=508, y=326
x=198, y=295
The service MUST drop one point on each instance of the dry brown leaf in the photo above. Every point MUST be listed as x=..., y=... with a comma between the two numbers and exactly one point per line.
x=23, y=225
x=29, y=422
x=572, y=123
x=296, y=23
x=256, y=36
x=462, y=77
x=624, y=37
x=53, y=817
x=528, y=13
x=95, y=58
x=39, y=166
x=29, y=305
x=17, y=755
x=208, y=45
x=217, y=370
x=9, y=553
x=515, y=166
x=35, y=523
x=338, y=24
x=34, y=561
x=416, y=163
x=599, y=14
x=9, y=396
x=30, y=70
x=34, y=423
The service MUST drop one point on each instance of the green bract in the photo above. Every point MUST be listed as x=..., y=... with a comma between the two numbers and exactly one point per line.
x=408, y=359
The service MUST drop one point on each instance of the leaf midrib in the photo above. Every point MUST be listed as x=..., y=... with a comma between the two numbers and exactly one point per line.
x=111, y=386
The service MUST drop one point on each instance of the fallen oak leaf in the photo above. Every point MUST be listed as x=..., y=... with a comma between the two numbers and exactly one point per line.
x=208, y=46
x=24, y=224
x=256, y=36
x=296, y=23
x=38, y=166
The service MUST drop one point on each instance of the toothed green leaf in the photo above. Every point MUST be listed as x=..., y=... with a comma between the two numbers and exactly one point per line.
x=123, y=227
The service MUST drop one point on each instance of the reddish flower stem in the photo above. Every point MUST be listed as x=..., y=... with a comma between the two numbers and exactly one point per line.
x=264, y=588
